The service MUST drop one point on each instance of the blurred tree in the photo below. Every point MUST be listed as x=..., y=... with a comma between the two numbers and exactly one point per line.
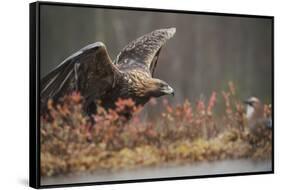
x=206, y=52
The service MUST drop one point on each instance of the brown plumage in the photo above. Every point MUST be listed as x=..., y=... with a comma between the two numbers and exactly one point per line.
x=91, y=72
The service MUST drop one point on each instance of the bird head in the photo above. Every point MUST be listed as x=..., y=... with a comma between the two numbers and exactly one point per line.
x=158, y=88
x=253, y=106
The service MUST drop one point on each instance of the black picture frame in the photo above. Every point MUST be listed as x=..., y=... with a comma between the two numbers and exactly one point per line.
x=34, y=82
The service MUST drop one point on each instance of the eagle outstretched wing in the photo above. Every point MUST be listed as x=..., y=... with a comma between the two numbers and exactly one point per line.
x=90, y=70
x=143, y=52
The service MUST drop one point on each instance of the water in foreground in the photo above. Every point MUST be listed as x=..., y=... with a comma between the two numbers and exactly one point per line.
x=205, y=168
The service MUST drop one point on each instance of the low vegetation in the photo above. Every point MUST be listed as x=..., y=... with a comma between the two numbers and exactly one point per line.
x=74, y=142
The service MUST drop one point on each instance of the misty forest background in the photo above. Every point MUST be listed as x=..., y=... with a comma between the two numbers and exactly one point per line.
x=206, y=52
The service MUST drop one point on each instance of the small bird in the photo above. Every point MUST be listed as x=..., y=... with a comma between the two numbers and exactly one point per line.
x=255, y=115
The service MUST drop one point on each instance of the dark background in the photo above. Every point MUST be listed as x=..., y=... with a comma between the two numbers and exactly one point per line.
x=206, y=52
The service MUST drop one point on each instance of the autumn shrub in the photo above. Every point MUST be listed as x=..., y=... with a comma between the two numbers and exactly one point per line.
x=72, y=141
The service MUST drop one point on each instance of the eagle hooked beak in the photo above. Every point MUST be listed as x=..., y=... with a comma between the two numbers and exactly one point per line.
x=169, y=90
x=173, y=92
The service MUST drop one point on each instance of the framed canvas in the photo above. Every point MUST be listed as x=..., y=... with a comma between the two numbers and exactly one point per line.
x=120, y=94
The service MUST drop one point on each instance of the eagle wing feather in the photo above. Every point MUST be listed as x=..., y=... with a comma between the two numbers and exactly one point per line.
x=143, y=52
x=89, y=71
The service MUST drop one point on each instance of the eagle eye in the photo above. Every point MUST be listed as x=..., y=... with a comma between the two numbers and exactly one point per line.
x=162, y=85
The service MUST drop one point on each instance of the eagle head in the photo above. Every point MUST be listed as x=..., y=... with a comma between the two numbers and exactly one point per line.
x=156, y=88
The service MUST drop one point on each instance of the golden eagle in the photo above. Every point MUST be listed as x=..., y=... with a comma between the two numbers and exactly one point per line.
x=91, y=72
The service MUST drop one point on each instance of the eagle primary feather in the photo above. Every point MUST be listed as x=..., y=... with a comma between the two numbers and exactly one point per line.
x=91, y=72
